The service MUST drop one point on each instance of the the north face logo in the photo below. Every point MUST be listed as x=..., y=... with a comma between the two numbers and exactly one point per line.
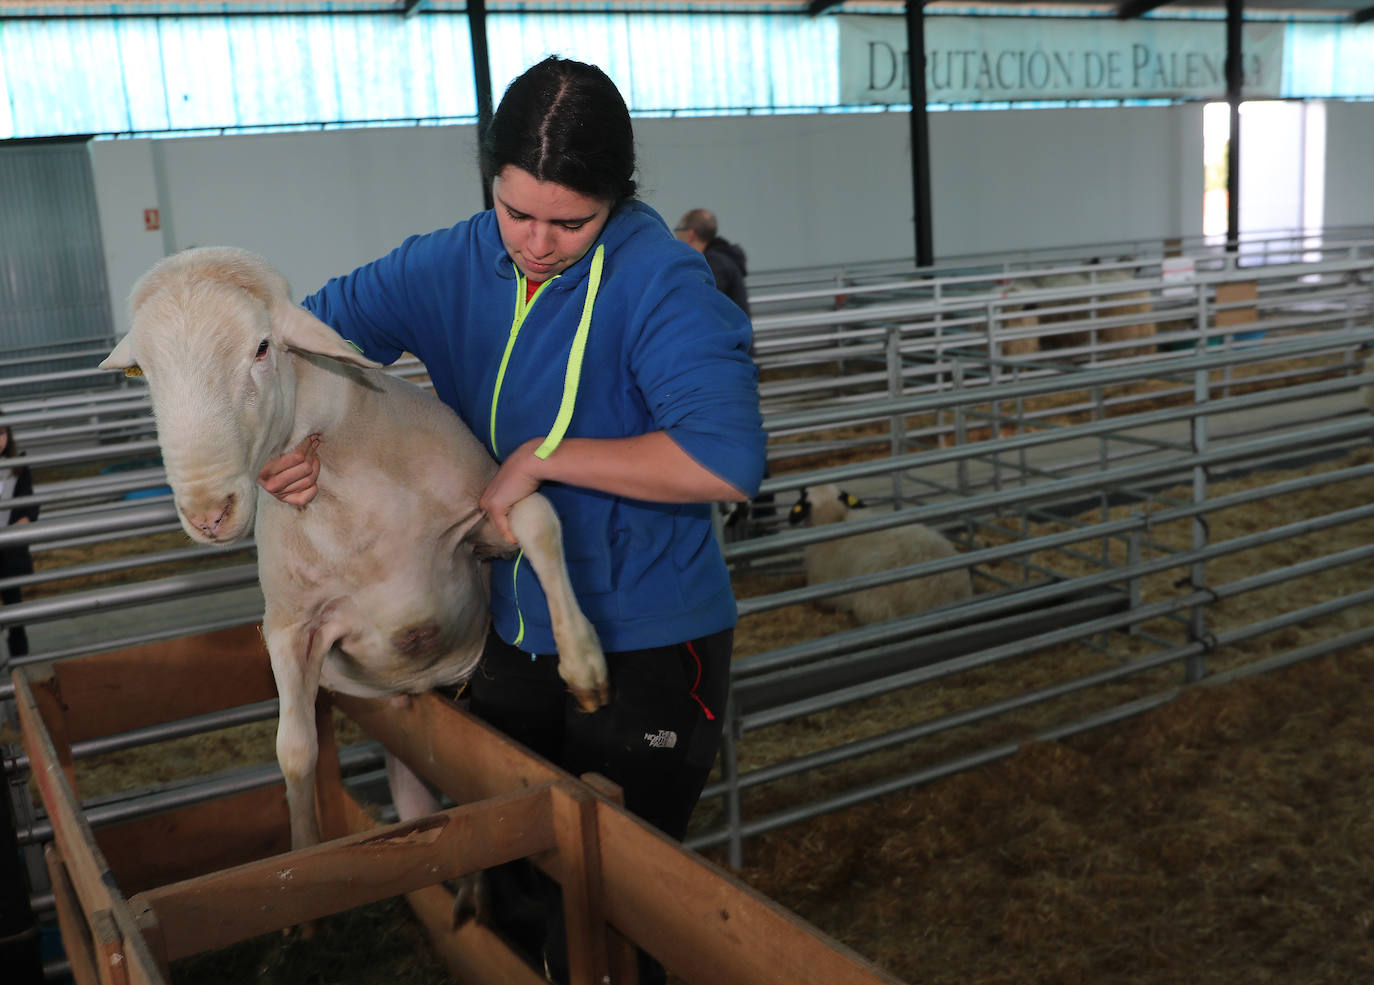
x=663, y=739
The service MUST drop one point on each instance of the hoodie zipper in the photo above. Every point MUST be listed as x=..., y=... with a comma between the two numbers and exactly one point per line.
x=571, y=378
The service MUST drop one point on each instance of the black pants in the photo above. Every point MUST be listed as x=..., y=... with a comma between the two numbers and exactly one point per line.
x=657, y=738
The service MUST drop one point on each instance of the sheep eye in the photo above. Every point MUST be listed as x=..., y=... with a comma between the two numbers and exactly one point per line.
x=262, y=351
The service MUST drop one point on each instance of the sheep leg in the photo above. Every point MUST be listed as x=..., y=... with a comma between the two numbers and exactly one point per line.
x=411, y=795
x=297, y=673
x=581, y=663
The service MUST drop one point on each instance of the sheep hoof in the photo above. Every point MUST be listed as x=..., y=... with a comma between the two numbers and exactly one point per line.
x=590, y=701
x=471, y=900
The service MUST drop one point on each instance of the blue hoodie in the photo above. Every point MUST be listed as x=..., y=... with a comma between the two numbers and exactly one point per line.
x=664, y=351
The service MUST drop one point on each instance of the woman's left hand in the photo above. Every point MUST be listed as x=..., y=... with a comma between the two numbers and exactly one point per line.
x=514, y=480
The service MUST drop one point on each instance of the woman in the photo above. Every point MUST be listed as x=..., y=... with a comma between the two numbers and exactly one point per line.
x=15, y=481
x=592, y=353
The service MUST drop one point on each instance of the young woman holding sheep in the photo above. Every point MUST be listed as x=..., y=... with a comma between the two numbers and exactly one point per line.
x=592, y=354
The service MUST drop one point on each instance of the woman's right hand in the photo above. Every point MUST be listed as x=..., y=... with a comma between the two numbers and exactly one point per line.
x=294, y=477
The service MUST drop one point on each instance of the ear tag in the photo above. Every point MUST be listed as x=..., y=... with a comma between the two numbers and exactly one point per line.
x=132, y=371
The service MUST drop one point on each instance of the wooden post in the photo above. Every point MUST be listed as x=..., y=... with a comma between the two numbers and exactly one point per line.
x=110, y=964
x=584, y=914
x=71, y=922
x=622, y=956
x=120, y=953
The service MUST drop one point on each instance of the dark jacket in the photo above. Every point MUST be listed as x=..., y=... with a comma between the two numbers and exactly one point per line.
x=15, y=561
x=727, y=262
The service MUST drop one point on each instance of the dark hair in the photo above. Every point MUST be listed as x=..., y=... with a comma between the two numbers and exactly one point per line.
x=10, y=449
x=564, y=121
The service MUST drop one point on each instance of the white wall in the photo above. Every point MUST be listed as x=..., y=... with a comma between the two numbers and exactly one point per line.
x=792, y=190
x=316, y=204
x=125, y=179
x=1349, y=153
x=1040, y=178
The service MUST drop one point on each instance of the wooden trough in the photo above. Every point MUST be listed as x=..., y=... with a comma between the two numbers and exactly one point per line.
x=135, y=896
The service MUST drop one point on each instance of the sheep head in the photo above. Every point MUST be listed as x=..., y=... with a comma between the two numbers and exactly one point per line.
x=823, y=504
x=213, y=331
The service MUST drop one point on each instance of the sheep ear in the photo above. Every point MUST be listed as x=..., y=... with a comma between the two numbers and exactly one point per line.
x=298, y=329
x=122, y=357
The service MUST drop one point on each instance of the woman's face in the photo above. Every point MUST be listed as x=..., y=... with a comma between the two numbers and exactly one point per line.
x=546, y=227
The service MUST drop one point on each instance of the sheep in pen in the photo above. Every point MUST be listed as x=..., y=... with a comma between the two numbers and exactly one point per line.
x=1112, y=305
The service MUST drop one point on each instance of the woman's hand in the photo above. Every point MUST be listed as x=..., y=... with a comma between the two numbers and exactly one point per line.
x=514, y=480
x=294, y=477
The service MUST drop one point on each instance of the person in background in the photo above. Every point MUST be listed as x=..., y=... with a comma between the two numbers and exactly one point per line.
x=15, y=482
x=571, y=305
x=697, y=228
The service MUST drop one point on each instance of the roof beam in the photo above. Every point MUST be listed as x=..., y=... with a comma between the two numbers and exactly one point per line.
x=1361, y=16
x=1131, y=9
x=817, y=7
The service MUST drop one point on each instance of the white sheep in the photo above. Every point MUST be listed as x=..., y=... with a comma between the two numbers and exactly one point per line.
x=377, y=587
x=1110, y=305
x=880, y=550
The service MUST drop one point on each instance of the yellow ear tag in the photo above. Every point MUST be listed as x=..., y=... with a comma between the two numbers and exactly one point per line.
x=851, y=500
x=131, y=371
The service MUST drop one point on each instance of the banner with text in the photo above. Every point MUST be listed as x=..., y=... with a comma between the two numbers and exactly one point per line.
x=997, y=59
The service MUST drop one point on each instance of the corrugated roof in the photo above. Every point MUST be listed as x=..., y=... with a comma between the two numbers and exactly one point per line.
x=131, y=8
x=153, y=74
x=225, y=69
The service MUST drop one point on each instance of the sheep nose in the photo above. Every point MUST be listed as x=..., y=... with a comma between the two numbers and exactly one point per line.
x=211, y=520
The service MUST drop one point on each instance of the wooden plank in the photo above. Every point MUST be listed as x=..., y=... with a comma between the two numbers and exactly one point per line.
x=258, y=897
x=47, y=701
x=109, y=949
x=1231, y=294
x=71, y=922
x=190, y=841
x=464, y=757
x=86, y=866
x=473, y=954
x=704, y=925
x=92, y=881
x=158, y=682
x=584, y=913
x=151, y=929
x=622, y=955
x=329, y=788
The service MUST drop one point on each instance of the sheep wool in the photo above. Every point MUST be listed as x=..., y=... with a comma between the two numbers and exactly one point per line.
x=882, y=550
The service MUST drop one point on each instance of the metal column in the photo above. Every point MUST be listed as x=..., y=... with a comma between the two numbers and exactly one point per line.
x=1234, y=76
x=920, y=130
x=481, y=76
